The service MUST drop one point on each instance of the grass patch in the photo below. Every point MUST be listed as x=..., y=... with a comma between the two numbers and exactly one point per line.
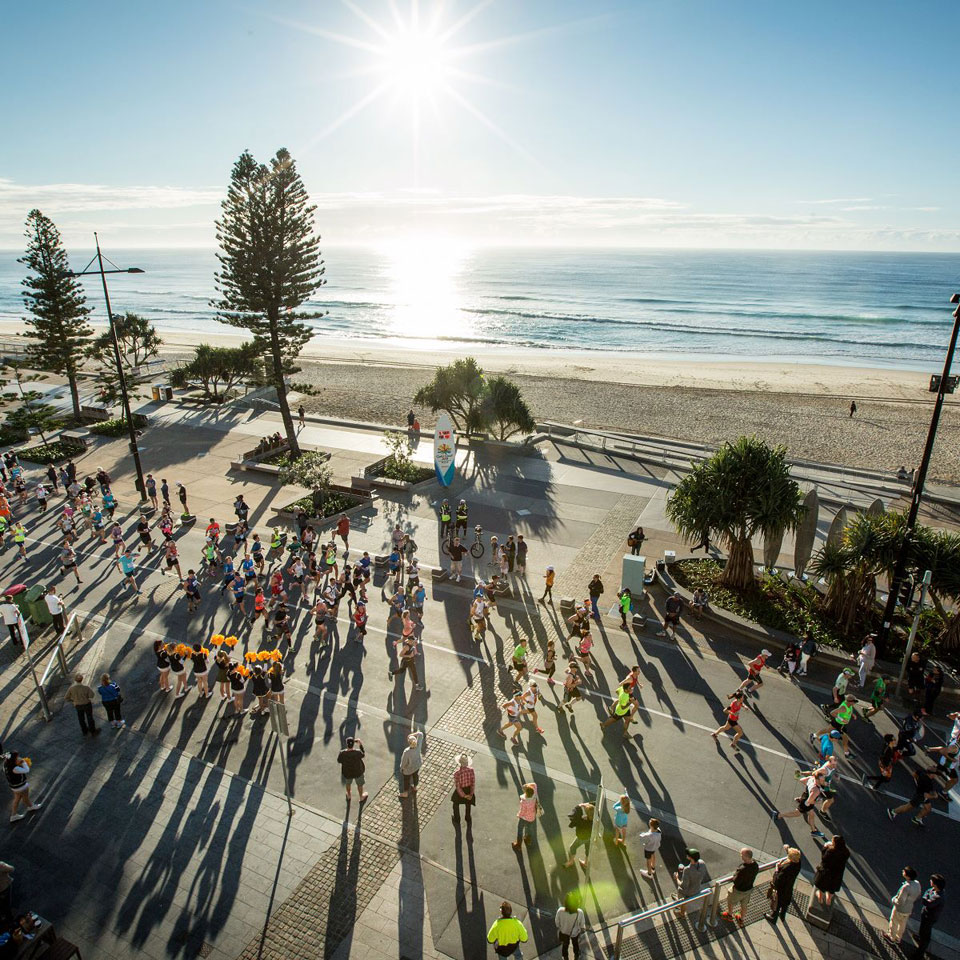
x=117, y=427
x=792, y=608
x=52, y=452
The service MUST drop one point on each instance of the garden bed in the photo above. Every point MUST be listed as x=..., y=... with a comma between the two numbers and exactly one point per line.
x=54, y=452
x=116, y=427
x=339, y=500
x=792, y=608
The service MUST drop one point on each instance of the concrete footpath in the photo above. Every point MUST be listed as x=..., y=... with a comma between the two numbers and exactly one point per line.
x=171, y=839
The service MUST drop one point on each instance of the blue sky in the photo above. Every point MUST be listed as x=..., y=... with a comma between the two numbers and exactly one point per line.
x=671, y=123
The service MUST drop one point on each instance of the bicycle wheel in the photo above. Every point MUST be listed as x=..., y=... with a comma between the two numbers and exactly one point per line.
x=445, y=548
x=476, y=550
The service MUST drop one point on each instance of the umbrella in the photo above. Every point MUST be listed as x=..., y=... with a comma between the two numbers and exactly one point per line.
x=806, y=532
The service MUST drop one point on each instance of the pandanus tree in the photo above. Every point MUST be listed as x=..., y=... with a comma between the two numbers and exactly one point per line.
x=939, y=552
x=743, y=491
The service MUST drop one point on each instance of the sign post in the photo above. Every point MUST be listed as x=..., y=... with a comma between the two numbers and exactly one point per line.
x=278, y=723
x=444, y=450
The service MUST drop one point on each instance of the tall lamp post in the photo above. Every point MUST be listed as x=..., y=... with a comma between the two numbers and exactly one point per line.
x=102, y=271
x=942, y=385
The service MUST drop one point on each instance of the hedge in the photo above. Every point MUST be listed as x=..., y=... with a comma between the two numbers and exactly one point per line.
x=52, y=452
x=117, y=427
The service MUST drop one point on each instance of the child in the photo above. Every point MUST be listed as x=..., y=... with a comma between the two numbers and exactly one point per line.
x=621, y=813
x=651, y=844
x=549, y=662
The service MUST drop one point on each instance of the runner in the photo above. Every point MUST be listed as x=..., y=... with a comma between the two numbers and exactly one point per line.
x=549, y=661
x=191, y=587
x=732, y=710
x=753, y=678
x=520, y=661
x=406, y=649
x=68, y=560
x=228, y=571
x=143, y=531
x=42, y=497
x=343, y=532
x=583, y=653
x=256, y=552
x=889, y=758
x=360, y=622
x=259, y=608
x=878, y=697
x=924, y=793
x=282, y=629
x=128, y=568
x=319, y=612
x=116, y=534
x=839, y=720
x=572, y=682
x=171, y=559
x=513, y=709
x=530, y=700
x=806, y=804
x=620, y=709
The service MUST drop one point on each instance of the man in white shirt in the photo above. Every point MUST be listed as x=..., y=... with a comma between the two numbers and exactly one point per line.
x=11, y=617
x=56, y=607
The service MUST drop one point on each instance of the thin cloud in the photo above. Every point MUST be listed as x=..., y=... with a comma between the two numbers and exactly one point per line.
x=77, y=197
x=839, y=200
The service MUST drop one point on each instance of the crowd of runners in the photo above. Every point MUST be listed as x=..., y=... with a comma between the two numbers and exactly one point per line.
x=269, y=581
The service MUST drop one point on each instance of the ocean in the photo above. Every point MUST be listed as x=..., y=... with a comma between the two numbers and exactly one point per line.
x=863, y=309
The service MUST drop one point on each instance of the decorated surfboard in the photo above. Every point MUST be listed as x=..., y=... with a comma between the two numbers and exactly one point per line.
x=444, y=449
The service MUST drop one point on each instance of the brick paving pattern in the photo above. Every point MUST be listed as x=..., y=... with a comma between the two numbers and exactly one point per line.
x=609, y=538
x=321, y=912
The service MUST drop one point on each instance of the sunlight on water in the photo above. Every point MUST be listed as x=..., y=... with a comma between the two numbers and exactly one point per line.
x=423, y=275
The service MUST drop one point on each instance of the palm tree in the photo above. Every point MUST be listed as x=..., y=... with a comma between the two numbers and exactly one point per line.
x=939, y=552
x=743, y=490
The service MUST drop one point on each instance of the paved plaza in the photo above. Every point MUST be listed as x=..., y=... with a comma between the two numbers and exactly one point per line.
x=171, y=839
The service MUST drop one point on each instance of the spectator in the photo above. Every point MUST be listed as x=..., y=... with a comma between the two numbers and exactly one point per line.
x=464, y=789
x=507, y=933
x=570, y=922
x=689, y=877
x=808, y=649
x=916, y=668
x=930, y=910
x=111, y=699
x=527, y=815
x=11, y=618
x=781, y=886
x=6, y=889
x=81, y=696
x=701, y=601
x=56, y=607
x=866, y=658
x=829, y=875
x=671, y=619
x=626, y=606
x=352, y=766
x=17, y=771
x=411, y=760
x=738, y=899
x=903, y=900
x=595, y=589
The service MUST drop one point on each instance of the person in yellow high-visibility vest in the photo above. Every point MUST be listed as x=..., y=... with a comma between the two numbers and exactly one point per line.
x=20, y=539
x=507, y=933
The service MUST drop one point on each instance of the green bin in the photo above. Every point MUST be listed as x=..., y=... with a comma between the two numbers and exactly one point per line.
x=36, y=606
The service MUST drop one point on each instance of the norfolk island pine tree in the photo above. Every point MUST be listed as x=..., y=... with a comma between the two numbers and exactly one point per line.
x=269, y=266
x=57, y=305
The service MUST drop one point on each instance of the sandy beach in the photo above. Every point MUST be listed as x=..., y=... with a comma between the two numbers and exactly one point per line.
x=805, y=406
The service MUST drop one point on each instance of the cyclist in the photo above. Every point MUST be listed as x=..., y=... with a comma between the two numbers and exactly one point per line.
x=462, y=517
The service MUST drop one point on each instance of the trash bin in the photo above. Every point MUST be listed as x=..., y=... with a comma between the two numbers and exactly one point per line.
x=36, y=606
x=17, y=592
x=168, y=393
x=157, y=387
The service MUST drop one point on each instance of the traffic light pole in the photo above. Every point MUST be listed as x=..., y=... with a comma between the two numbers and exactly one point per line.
x=899, y=569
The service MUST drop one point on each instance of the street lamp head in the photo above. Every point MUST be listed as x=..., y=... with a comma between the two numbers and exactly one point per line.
x=134, y=270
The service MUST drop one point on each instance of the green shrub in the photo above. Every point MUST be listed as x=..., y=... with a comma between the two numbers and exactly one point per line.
x=277, y=459
x=51, y=452
x=408, y=472
x=334, y=502
x=117, y=427
x=10, y=437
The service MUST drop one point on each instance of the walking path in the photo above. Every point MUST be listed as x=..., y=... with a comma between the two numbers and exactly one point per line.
x=177, y=826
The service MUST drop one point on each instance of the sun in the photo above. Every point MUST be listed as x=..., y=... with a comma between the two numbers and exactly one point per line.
x=416, y=62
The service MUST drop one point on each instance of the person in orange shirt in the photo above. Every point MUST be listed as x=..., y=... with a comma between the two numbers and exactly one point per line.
x=548, y=579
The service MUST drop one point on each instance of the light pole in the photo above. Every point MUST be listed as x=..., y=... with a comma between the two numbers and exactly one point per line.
x=945, y=386
x=116, y=357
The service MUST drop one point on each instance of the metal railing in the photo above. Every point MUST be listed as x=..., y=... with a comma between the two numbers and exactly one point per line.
x=57, y=657
x=708, y=897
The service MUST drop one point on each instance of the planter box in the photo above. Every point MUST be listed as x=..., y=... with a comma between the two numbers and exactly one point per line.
x=288, y=512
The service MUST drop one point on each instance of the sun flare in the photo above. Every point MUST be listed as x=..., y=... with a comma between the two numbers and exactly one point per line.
x=415, y=62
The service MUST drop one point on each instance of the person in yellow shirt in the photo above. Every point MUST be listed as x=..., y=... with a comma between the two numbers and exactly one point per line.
x=507, y=933
x=548, y=579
